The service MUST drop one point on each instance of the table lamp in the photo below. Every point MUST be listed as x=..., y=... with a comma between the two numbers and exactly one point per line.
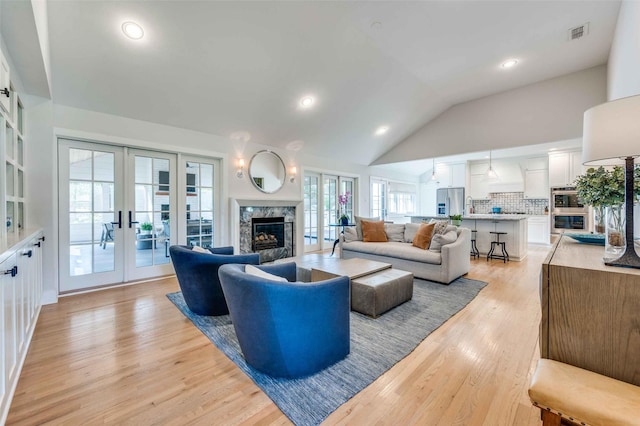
x=611, y=137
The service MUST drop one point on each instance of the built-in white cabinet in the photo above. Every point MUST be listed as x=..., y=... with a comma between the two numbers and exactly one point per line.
x=509, y=176
x=478, y=187
x=5, y=83
x=450, y=175
x=564, y=167
x=20, y=302
x=538, y=229
x=428, y=197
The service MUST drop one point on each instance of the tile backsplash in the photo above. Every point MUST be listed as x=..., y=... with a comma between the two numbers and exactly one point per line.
x=511, y=202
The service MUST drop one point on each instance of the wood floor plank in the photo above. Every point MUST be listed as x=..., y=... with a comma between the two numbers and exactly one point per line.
x=128, y=356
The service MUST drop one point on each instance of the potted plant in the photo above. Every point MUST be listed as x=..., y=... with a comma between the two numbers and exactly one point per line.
x=604, y=190
x=144, y=240
x=147, y=227
x=343, y=200
x=456, y=219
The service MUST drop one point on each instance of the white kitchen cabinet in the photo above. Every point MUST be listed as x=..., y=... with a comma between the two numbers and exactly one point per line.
x=20, y=301
x=450, y=175
x=537, y=163
x=564, y=167
x=536, y=184
x=478, y=187
x=538, y=229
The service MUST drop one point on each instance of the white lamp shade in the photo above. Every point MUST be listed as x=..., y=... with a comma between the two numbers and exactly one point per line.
x=611, y=132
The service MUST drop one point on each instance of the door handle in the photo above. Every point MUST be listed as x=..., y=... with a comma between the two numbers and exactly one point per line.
x=5, y=92
x=28, y=253
x=131, y=222
x=119, y=222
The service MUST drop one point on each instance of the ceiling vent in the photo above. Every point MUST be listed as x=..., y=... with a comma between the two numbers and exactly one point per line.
x=581, y=31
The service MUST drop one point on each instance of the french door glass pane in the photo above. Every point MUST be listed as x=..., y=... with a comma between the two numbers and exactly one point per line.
x=199, y=202
x=331, y=210
x=310, y=210
x=91, y=211
x=150, y=204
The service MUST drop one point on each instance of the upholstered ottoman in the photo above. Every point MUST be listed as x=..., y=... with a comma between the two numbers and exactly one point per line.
x=375, y=294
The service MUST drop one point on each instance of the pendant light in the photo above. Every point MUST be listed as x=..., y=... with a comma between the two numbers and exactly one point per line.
x=433, y=170
x=491, y=174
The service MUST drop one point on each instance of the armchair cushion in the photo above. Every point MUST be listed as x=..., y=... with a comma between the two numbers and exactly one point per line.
x=250, y=269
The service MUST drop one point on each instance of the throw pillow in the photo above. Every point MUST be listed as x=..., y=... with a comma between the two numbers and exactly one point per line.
x=199, y=249
x=410, y=230
x=359, y=220
x=441, y=240
x=373, y=232
x=423, y=236
x=350, y=234
x=441, y=226
x=394, y=231
x=252, y=270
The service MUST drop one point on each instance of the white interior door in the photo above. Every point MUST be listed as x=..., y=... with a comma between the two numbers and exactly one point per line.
x=91, y=214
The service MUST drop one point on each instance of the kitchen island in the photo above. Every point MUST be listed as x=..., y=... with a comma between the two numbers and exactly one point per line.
x=515, y=225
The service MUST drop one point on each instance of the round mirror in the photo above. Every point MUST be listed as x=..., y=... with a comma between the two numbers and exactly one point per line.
x=267, y=171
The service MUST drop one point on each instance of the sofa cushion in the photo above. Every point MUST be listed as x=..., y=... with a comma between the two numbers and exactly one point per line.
x=359, y=220
x=252, y=270
x=350, y=234
x=441, y=226
x=423, y=236
x=442, y=239
x=394, y=231
x=373, y=232
x=410, y=230
x=395, y=249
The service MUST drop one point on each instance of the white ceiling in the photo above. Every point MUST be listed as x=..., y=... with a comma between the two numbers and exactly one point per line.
x=223, y=67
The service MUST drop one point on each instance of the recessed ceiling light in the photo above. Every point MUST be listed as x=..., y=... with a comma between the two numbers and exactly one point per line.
x=382, y=130
x=132, y=30
x=307, y=101
x=376, y=25
x=509, y=63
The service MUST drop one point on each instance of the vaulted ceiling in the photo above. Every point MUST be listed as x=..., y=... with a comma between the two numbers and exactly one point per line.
x=223, y=67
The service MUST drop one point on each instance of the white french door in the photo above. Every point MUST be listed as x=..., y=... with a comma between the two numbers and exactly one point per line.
x=311, y=212
x=379, y=198
x=113, y=208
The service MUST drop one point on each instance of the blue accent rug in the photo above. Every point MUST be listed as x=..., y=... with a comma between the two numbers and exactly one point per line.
x=376, y=346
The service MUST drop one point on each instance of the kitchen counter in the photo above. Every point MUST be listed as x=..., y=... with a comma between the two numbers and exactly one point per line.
x=515, y=225
x=475, y=216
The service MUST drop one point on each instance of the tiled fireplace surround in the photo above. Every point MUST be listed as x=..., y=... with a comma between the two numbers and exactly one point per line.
x=243, y=210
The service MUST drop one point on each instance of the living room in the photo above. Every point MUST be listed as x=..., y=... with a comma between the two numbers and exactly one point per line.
x=55, y=109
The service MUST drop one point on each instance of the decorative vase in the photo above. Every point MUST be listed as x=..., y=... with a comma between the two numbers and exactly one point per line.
x=615, y=232
x=344, y=220
x=599, y=219
x=456, y=222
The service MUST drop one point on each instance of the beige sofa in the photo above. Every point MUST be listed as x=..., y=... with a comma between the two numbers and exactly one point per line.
x=451, y=261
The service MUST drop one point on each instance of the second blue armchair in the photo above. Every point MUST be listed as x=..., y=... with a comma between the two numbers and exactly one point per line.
x=198, y=276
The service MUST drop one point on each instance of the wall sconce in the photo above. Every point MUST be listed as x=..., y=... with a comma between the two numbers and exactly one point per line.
x=240, y=169
x=292, y=174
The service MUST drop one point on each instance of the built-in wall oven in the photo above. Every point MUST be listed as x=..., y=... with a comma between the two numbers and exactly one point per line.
x=568, y=214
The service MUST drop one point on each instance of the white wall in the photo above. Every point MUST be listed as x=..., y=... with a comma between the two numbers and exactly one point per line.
x=548, y=111
x=624, y=58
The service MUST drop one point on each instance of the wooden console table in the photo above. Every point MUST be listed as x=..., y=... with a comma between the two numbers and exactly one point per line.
x=590, y=312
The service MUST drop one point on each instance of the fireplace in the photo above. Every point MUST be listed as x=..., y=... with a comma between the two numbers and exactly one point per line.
x=267, y=233
x=272, y=238
x=254, y=216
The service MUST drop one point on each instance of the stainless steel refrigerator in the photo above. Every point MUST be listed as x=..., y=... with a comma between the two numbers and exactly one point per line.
x=450, y=201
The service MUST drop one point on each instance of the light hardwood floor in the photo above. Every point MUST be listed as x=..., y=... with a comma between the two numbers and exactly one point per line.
x=128, y=356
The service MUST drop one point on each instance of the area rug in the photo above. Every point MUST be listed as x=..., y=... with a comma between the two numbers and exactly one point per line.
x=376, y=346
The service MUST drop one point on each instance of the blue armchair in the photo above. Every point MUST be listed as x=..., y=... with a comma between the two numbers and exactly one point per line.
x=198, y=276
x=290, y=329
